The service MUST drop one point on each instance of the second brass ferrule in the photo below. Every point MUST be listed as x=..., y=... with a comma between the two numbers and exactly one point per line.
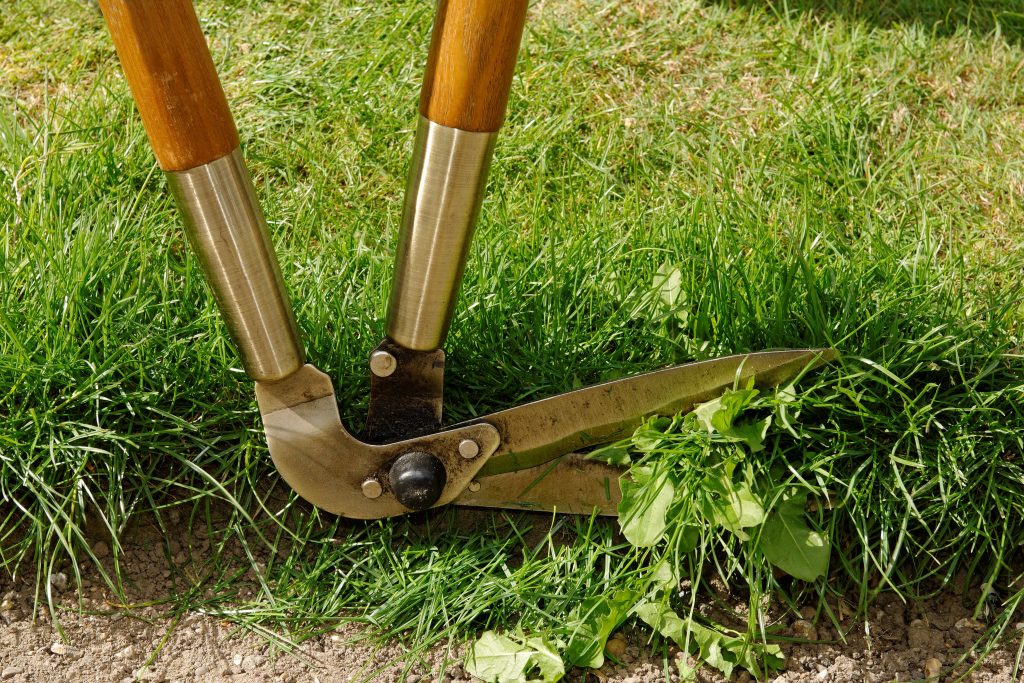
x=443, y=196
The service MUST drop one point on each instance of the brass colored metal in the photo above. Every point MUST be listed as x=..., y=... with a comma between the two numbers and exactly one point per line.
x=372, y=488
x=407, y=401
x=442, y=199
x=571, y=484
x=469, y=449
x=227, y=230
x=535, y=433
x=382, y=363
x=328, y=466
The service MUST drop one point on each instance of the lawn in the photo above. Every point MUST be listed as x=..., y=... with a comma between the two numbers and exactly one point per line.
x=675, y=181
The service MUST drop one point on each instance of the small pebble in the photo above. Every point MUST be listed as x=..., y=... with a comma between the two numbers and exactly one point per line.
x=203, y=669
x=101, y=549
x=59, y=581
x=821, y=675
x=743, y=677
x=251, y=662
x=10, y=672
x=804, y=629
x=147, y=674
x=967, y=624
x=932, y=668
x=1019, y=626
x=616, y=646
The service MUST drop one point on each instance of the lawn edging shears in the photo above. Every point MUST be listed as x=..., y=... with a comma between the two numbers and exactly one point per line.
x=523, y=457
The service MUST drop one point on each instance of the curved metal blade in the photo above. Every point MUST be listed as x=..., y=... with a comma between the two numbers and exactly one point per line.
x=570, y=484
x=535, y=433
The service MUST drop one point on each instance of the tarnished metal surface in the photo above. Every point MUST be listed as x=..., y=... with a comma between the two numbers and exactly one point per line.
x=571, y=484
x=329, y=467
x=335, y=471
x=442, y=198
x=227, y=231
x=537, y=432
x=407, y=400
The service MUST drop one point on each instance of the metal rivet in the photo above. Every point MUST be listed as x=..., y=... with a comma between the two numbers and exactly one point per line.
x=474, y=486
x=468, y=449
x=382, y=363
x=372, y=488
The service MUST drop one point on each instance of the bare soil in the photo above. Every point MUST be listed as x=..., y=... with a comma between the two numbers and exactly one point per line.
x=98, y=639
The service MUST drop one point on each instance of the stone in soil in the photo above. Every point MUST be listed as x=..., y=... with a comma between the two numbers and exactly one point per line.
x=59, y=581
x=804, y=630
x=932, y=668
x=616, y=646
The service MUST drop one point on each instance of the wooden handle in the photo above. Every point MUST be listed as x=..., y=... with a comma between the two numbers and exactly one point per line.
x=172, y=77
x=472, y=56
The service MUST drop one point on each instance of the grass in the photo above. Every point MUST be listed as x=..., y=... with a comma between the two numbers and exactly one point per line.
x=818, y=173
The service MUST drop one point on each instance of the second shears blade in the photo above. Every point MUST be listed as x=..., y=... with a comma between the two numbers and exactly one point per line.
x=535, y=467
x=537, y=432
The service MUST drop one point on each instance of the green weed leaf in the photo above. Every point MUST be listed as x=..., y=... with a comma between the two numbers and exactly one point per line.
x=646, y=496
x=593, y=621
x=787, y=407
x=724, y=650
x=734, y=507
x=719, y=416
x=790, y=544
x=615, y=454
x=496, y=658
x=668, y=283
x=651, y=435
x=664, y=575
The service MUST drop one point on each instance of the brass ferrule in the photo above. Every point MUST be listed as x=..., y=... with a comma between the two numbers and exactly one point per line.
x=442, y=199
x=228, y=233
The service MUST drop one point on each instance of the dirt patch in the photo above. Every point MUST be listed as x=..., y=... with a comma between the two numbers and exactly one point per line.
x=100, y=639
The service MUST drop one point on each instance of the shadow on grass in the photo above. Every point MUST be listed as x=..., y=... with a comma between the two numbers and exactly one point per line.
x=980, y=17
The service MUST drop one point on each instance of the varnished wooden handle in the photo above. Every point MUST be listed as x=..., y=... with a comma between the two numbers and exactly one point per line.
x=472, y=56
x=172, y=77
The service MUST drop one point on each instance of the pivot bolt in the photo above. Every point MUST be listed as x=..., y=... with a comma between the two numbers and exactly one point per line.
x=417, y=480
x=469, y=449
x=382, y=363
x=372, y=488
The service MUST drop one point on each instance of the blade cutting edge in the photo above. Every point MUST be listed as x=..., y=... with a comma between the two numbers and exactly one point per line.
x=537, y=432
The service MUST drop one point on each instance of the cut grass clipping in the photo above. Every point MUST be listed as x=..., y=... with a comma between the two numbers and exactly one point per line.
x=675, y=181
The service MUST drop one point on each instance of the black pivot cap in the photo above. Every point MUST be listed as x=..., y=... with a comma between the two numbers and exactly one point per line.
x=417, y=480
